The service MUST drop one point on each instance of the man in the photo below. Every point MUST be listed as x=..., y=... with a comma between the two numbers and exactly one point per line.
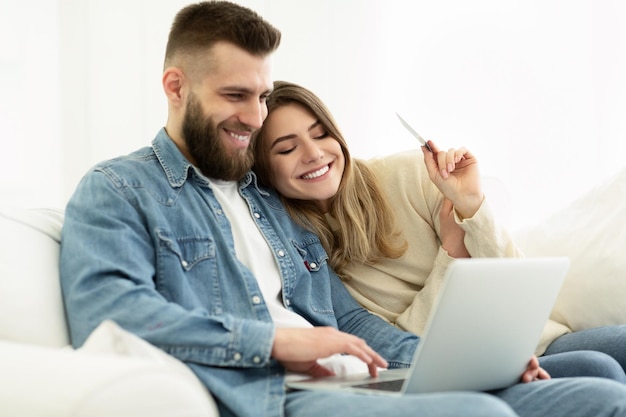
x=177, y=243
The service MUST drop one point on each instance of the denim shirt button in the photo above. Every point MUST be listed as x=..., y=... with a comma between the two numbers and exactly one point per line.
x=237, y=356
x=184, y=264
x=313, y=265
x=281, y=253
x=287, y=303
x=256, y=359
x=257, y=215
x=256, y=299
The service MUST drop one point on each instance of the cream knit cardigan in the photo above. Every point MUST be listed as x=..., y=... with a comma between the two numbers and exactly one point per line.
x=402, y=291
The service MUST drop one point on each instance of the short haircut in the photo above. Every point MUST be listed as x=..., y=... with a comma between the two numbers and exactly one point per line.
x=197, y=27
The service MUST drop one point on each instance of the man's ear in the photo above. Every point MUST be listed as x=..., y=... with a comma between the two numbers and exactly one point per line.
x=173, y=80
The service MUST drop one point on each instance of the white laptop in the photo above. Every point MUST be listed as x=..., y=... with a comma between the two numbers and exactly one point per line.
x=480, y=335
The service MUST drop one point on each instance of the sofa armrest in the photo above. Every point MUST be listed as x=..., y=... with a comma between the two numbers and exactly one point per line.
x=52, y=382
x=29, y=270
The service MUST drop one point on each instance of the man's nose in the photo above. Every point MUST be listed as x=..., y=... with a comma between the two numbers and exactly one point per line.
x=253, y=115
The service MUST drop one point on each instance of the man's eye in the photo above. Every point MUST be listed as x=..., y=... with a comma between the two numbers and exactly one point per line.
x=235, y=96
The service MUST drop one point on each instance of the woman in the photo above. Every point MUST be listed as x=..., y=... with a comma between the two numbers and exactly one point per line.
x=391, y=225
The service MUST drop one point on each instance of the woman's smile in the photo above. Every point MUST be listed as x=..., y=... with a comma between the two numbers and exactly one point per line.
x=317, y=173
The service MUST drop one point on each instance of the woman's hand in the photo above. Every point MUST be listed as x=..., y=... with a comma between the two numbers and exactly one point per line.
x=534, y=372
x=451, y=235
x=456, y=174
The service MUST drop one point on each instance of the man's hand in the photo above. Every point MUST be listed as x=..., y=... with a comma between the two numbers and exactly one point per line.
x=299, y=349
x=534, y=372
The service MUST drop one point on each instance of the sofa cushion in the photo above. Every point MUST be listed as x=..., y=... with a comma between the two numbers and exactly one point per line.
x=31, y=307
x=109, y=339
x=592, y=233
x=60, y=382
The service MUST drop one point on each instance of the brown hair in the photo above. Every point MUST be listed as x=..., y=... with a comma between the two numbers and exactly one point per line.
x=197, y=27
x=367, y=227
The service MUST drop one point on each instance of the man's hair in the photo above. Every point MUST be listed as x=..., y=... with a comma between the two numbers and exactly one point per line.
x=197, y=27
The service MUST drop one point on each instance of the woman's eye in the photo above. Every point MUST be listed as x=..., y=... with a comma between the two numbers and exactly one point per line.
x=323, y=135
x=286, y=151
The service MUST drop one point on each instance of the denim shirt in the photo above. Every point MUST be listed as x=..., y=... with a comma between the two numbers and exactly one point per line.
x=145, y=243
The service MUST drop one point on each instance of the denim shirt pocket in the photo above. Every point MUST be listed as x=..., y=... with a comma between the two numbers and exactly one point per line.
x=314, y=255
x=314, y=286
x=192, y=259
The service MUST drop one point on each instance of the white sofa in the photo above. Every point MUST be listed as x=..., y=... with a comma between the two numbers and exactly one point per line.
x=113, y=374
x=117, y=374
x=591, y=231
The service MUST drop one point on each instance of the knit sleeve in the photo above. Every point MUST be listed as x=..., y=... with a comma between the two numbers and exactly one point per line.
x=486, y=238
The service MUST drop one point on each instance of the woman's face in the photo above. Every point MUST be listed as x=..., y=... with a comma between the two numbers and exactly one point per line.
x=306, y=163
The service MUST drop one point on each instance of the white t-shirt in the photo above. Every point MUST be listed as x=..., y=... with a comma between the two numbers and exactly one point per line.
x=255, y=253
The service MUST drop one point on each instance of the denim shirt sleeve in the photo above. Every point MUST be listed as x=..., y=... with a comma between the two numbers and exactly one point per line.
x=109, y=270
x=393, y=344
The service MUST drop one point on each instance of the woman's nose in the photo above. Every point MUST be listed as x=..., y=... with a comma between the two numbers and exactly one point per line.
x=313, y=152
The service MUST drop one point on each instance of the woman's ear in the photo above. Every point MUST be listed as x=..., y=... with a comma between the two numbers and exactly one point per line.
x=173, y=80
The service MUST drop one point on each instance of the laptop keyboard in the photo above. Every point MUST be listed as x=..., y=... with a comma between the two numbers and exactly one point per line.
x=394, y=385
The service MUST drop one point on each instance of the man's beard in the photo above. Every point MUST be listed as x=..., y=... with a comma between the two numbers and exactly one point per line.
x=209, y=153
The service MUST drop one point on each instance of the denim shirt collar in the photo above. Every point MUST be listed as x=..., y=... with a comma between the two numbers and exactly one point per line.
x=177, y=167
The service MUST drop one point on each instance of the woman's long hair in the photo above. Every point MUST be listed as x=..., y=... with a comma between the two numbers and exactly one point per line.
x=367, y=227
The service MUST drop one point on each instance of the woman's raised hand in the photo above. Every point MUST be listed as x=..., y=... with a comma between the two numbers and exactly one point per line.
x=455, y=172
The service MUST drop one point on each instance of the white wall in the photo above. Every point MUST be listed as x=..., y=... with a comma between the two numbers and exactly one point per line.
x=29, y=102
x=534, y=88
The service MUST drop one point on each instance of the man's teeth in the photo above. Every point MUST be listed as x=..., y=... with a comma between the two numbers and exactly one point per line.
x=241, y=138
x=316, y=174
